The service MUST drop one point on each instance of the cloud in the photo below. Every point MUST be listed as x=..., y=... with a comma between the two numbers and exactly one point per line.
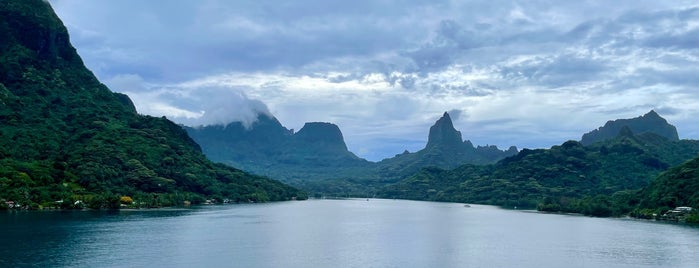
x=531, y=75
x=224, y=106
x=559, y=70
x=188, y=105
x=455, y=114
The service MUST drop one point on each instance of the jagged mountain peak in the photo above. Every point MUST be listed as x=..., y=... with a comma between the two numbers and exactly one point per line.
x=652, y=114
x=268, y=148
x=443, y=133
x=445, y=119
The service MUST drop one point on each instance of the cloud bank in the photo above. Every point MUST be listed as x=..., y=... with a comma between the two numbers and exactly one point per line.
x=192, y=106
x=525, y=73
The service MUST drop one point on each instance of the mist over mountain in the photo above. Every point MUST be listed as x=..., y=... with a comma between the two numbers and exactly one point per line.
x=316, y=152
x=65, y=137
x=234, y=142
x=267, y=142
x=316, y=157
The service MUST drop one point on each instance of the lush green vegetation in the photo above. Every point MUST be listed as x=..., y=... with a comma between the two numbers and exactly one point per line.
x=602, y=180
x=445, y=149
x=316, y=158
x=65, y=137
x=66, y=141
x=678, y=186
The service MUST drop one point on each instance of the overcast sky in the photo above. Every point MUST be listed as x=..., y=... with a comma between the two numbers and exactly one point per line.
x=526, y=73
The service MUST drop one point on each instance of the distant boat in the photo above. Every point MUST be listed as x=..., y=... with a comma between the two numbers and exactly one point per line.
x=467, y=205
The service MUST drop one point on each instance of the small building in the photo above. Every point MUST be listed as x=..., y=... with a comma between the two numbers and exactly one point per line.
x=683, y=209
x=677, y=214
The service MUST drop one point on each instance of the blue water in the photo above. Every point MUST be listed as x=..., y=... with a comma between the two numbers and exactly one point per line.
x=339, y=233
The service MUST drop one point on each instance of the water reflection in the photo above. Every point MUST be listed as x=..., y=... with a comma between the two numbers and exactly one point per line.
x=322, y=233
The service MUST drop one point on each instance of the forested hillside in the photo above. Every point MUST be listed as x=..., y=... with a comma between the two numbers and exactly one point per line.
x=316, y=157
x=678, y=186
x=570, y=177
x=65, y=137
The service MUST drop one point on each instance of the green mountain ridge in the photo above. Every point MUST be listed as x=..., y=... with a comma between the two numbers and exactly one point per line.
x=316, y=158
x=570, y=177
x=67, y=141
x=445, y=149
x=65, y=137
x=317, y=150
x=649, y=122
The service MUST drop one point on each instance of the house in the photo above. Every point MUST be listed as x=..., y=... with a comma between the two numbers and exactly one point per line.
x=682, y=209
x=677, y=214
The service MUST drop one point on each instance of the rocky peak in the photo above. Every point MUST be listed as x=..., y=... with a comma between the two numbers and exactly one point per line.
x=512, y=150
x=650, y=122
x=321, y=132
x=652, y=115
x=265, y=130
x=443, y=133
x=269, y=124
x=468, y=144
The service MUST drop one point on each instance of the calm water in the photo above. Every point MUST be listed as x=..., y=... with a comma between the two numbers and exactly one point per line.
x=340, y=233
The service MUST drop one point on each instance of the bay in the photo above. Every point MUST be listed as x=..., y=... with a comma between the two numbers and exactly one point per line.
x=339, y=233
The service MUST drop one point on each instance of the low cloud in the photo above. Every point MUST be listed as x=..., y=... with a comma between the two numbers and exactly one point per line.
x=191, y=106
x=529, y=75
x=455, y=114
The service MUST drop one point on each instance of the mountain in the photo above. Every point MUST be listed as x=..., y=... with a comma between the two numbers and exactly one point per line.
x=316, y=152
x=443, y=135
x=316, y=157
x=569, y=177
x=320, y=143
x=238, y=145
x=445, y=149
x=650, y=122
x=67, y=140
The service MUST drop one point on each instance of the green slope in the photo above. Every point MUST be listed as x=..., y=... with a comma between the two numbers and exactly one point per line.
x=316, y=158
x=445, y=149
x=563, y=178
x=312, y=158
x=65, y=136
x=678, y=186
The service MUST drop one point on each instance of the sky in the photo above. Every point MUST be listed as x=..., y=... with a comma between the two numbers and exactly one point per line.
x=532, y=74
